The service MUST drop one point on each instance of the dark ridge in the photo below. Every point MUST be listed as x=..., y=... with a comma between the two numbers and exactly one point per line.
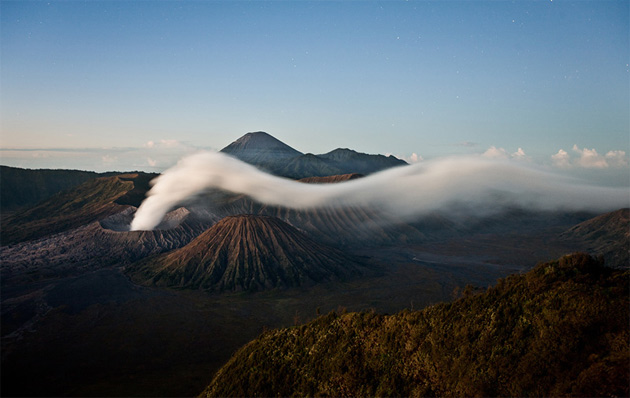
x=350, y=161
x=306, y=165
x=559, y=330
x=246, y=252
x=331, y=178
x=81, y=205
x=22, y=187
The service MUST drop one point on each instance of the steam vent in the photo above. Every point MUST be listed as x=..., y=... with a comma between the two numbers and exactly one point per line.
x=247, y=252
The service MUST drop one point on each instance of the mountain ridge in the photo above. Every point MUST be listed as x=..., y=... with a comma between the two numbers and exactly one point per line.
x=270, y=154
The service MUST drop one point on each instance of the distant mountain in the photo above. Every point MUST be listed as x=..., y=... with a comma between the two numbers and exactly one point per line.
x=331, y=178
x=91, y=201
x=308, y=165
x=260, y=149
x=246, y=252
x=607, y=235
x=559, y=330
x=23, y=187
x=268, y=153
x=347, y=159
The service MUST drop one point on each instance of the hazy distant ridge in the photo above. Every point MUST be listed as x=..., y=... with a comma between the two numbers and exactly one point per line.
x=263, y=150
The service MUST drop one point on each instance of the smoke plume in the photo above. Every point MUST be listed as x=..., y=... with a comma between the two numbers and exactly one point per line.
x=471, y=184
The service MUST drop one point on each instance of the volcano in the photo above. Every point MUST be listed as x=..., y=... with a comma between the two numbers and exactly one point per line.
x=250, y=253
x=260, y=148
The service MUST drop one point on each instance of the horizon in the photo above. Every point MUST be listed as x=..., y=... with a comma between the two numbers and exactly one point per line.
x=134, y=86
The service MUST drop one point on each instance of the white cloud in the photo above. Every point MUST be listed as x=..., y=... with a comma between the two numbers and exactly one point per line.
x=617, y=158
x=500, y=153
x=590, y=159
x=561, y=159
x=495, y=153
x=520, y=155
x=468, y=184
x=414, y=158
x=162, y=144
x=151, y=162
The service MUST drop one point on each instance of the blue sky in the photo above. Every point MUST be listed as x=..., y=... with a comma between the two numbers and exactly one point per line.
x=135, y=84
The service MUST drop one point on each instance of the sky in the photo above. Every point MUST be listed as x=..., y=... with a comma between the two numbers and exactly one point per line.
x=134, y=85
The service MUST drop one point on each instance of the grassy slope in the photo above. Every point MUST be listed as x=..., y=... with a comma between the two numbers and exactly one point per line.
x=560, y=329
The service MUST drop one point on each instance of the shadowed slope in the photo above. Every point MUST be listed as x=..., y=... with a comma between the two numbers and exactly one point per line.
x=23, y=187
x=246, y=252
x=559, y=330
x=607, y=235
x=89, y=202
x=331, y=178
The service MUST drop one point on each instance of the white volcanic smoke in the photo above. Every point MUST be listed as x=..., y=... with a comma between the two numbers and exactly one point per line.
x=466, y=183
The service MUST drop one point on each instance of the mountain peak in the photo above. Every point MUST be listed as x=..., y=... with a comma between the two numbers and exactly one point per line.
x=260, y=148
x=259, y=140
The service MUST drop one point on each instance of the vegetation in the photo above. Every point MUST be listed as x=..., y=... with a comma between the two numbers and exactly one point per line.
x=561, y=329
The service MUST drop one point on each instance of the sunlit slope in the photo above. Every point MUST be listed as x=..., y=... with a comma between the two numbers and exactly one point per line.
x=561, y=329
x=88, y=202
x=246, y=252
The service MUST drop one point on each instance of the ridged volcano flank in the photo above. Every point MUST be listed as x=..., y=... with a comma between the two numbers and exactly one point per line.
x=247, y=252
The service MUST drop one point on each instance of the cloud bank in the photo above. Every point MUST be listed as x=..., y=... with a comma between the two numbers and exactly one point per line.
x=476, y=184
x=589, y=159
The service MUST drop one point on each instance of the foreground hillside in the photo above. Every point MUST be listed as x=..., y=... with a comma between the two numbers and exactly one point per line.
x=560, y=329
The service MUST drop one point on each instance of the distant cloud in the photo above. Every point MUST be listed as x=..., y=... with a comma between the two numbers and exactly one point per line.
x=561, y=159
x=162, y=144
x=589, y=159
x=520, y=155
x=108, y=159
x=500, y=153
x=495, y=153
x=617, y=158
x=467, y=144
x=414, y=158
x=151, y=162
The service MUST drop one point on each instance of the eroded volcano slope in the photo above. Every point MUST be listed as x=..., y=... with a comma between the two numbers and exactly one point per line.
x=247, y=252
